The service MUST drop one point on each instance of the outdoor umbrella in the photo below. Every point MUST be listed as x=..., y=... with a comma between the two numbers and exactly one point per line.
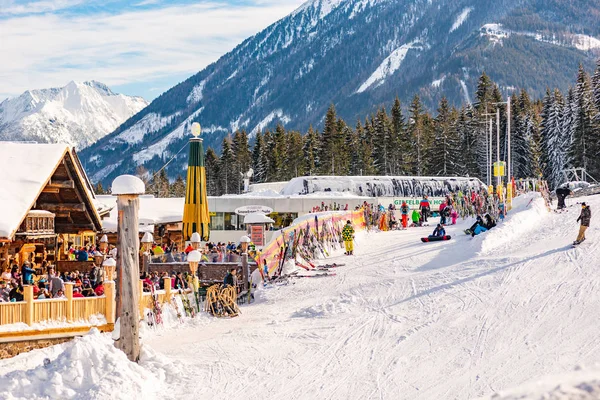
x=195, y=211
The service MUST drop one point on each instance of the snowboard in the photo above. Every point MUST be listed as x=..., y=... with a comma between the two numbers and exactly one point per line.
x=435, y=238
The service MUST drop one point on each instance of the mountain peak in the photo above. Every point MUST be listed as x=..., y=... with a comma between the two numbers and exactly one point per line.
x=78, y=113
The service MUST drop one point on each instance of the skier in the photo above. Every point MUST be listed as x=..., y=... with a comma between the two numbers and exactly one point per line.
x=348, y=237
x=584, y=217
x=405, y=210
x=425, y=207
x=439, y=231
x=416, y=218
x=561, y=193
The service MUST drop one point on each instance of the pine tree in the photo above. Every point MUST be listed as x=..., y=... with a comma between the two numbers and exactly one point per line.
x=522, y=136
x=366, y=164
x=259, y=163
x=343, y=158
x=99, y=189
x=418, y=128
x=241, y=149
x=266, y=156
x=294, y=156
x=445, y=153
x=483, y=94
x=584, y=145
x=142, y=173
x=467, y=134
x=328, y=143
x=596, y=91
x=381, y=142
x=310, y=152
x=177, y=188
x=554, y=140
x=213, y=187
x=277, y=150
x=227, y=173
x=397, y=136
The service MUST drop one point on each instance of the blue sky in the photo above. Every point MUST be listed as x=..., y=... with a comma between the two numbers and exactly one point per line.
x=139, y=47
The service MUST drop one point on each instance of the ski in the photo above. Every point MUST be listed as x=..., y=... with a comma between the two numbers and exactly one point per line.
x=321, y=275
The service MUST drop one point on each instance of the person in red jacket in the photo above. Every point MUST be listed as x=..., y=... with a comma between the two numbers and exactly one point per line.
x=425, y=208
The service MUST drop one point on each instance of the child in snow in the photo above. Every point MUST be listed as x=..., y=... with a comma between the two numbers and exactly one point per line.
x=584, y=217
x=416, y=218
x=454, y=216
x=405, y=210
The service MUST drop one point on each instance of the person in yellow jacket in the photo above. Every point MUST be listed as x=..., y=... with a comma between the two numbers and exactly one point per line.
x=348, y=237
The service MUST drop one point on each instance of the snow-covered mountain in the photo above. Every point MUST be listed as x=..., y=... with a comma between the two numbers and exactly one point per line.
x=78, y=114
x=358, y=54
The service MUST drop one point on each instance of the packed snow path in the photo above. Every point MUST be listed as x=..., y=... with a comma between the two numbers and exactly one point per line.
x=401, y=320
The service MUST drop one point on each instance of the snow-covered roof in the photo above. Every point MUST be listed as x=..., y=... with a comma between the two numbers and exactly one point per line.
x=257, y=218
x=26, y=169
x=153, y=211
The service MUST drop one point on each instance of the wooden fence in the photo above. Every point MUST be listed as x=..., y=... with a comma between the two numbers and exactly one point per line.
x=70, y=309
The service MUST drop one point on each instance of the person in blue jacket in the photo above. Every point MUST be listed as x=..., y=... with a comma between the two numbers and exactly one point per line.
x=439, y=231
x=27, y=273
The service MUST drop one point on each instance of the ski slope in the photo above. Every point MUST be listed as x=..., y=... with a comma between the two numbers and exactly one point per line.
x=462, y=319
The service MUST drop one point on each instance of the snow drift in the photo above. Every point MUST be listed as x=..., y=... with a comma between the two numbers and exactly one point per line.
x=90, y=367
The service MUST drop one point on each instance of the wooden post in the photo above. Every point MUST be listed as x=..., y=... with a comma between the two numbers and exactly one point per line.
x=127, y=188
x=28, y=298
x=167, y=289
x=69, y=295
x=142, y=304
x=109, y=293
x=245, y=270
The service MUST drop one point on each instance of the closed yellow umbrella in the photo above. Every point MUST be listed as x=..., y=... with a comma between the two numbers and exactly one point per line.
x=195, y=211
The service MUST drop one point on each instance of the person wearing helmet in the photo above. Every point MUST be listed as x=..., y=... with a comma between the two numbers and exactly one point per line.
x=584, y=217
x=348, y=238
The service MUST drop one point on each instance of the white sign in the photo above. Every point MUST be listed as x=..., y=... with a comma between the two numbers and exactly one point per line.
x=245, y=210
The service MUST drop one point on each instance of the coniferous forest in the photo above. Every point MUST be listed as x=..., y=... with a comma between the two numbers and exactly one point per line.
x=561, y=130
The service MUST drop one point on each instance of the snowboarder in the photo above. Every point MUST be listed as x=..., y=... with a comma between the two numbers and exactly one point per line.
x=439, y=231
x=584, y=217
x=348, y=237
x=477, y=228
x=425, y=207
x=562, y=193
x=405, y=210
x=489, y=222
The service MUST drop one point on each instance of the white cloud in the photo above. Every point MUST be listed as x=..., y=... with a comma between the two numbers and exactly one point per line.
x=40, y=51
x=35, y=7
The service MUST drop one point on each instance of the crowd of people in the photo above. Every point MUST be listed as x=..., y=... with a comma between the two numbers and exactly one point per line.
x=49, y=284
x=212, y=252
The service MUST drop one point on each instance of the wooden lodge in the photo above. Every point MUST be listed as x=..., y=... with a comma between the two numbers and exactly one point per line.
x=47, y=204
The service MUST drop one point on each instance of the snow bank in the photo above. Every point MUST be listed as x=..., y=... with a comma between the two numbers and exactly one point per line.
x=578, y=385
x=90, y=367
x=521, y=221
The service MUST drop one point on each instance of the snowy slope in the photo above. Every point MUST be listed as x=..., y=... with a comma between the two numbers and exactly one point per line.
x=462, y=319
x=78, y=114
